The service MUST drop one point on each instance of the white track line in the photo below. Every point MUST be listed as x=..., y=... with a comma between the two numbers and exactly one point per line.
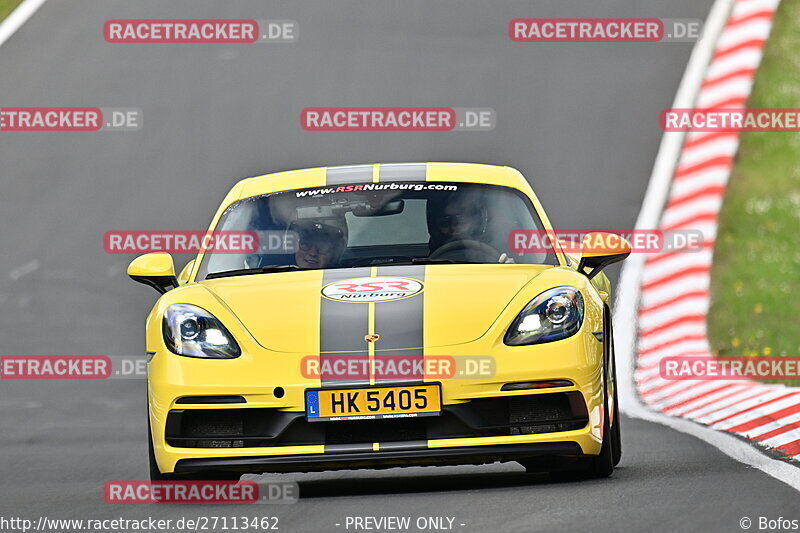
x=18, y=17
x=629, y=291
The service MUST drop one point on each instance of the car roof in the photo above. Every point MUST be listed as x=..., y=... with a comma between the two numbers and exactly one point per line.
x=379, y=172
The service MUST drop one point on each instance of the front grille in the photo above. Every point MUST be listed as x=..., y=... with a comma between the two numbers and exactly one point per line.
x=528, y=415
x=229, y=428
x=212, y=423
x=487, y=417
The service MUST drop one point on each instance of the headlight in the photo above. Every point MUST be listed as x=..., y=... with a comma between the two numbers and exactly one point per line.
x=553, y=315
x=194, y=332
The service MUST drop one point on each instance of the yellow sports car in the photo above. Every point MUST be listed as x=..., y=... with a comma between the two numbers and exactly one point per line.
x=382, y=317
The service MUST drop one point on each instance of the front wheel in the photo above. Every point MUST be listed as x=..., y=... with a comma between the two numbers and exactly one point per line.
x=616, y=434
x=603, y=465
x=595, y=466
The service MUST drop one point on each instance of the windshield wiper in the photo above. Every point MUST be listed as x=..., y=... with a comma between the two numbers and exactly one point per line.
x=257, y=270
x=429, y=261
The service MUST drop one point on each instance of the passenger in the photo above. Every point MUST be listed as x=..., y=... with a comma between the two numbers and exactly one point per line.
x=320, y=243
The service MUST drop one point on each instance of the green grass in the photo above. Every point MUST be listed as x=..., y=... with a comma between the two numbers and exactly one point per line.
x=755, y=282
x=7, y=6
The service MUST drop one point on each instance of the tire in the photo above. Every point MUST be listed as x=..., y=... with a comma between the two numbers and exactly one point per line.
x=594, y=466
x=616, y=433
x=603, y=465
x=616, y=437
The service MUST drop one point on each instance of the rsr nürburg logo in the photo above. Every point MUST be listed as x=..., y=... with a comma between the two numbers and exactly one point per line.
x=379, y=289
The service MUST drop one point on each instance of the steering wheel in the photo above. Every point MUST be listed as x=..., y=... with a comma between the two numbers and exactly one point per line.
x=465, y=245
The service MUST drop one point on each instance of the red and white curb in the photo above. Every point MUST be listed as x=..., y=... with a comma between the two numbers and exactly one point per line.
x=664, y=299
x=675, y=287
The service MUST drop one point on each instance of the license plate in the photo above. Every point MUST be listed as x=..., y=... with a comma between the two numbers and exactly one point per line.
x=372, y=403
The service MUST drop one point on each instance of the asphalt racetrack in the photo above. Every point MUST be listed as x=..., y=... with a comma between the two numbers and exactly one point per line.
x=579, y=120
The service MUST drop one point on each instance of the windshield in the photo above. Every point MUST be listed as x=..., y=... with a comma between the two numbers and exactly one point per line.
x=377, y=223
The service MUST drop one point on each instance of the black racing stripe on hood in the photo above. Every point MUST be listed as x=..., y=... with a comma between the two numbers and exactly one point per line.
x=343, y=325
x=400, y=323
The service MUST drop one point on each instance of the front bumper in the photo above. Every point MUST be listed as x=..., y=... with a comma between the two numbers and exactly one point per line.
x=387, y=458
x=480, y=423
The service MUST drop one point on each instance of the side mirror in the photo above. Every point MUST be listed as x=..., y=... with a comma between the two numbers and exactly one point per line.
x=155, y=269
x=600, y=249
x=183, y=277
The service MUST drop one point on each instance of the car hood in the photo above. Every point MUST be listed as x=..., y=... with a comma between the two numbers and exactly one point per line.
x=409, y=307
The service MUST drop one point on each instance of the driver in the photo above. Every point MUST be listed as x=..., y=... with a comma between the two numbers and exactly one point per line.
x=458, y=217
x=320, y=243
